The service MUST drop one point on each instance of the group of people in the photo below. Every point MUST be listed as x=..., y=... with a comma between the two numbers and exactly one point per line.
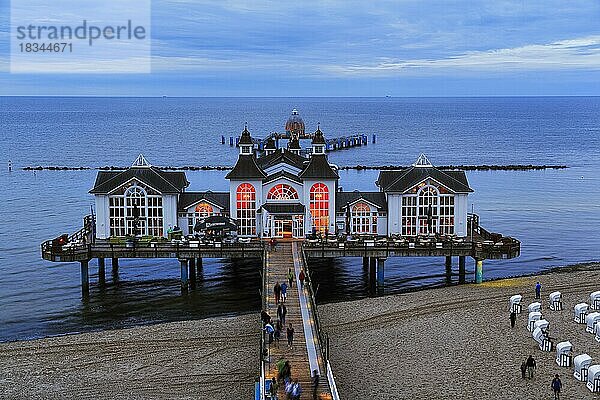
x=293, y=390
x=529, y=365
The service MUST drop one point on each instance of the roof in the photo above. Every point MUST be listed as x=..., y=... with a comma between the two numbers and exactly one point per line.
x=343, y=198
x=402, y=180
x=318, y=137
x=245, y=138
x=282, y=174
x=281, y=156
x=188, y=199
x=284, y=208
x=318, y=167
x=294, y=144
x=163, y=181
x=246, y=168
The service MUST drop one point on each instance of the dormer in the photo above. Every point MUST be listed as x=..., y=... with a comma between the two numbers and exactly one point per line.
x=318, y=142
x=246, y=145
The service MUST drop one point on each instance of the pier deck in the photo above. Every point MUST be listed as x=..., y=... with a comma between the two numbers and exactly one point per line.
x=305, y=356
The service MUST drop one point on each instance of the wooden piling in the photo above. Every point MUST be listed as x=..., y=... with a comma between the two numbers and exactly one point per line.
x=85, y=277
x=461, y=269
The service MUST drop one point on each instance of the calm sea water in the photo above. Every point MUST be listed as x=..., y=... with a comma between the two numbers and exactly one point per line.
x=556, y=214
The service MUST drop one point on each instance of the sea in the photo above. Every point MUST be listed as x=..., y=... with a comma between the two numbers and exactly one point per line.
x=555, y=213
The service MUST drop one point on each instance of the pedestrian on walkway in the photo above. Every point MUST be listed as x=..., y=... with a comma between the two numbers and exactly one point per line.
x=277, y=291
x=523, y=369
x=296, y=390
x=301, y=277
x=273, y=388
x=291, y=277
x=538, y=290
x=284, y=312
x=270, y=330
x=290, y=336
x=315, y=382
x=513, y=319
x=556, y=386
x=284, y=287
x=279, y=312
x=264, y=317
x=530, y=367
x=277, y=333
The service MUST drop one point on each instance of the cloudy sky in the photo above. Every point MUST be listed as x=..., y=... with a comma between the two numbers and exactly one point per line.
x=349, y=48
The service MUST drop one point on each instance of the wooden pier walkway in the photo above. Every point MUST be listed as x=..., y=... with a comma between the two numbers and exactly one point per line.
x=305, y=355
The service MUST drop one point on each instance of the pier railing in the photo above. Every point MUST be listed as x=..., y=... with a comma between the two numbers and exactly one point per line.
x=322, y=335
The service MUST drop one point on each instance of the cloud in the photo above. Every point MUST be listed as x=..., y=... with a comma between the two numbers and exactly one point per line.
x=579, y=53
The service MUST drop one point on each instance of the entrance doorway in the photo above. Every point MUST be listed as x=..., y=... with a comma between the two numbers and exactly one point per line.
x=286, y=226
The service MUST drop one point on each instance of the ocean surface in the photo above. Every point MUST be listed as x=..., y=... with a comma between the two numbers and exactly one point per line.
x=555, y=213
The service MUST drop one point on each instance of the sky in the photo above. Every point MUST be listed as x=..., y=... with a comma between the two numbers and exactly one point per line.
x=347, y=48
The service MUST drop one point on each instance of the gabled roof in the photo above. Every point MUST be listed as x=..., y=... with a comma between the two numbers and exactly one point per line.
x=375, y=198
x=318, y=167
x=188, y=199
x=246, y=168
x=282, y=174
x=405, y=179
x=163, y=181
x=281, y=156
x=284, y=208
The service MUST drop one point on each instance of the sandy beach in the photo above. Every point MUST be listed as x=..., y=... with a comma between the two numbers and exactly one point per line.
x=215, y=358
x=447, y=343
x=456, y=342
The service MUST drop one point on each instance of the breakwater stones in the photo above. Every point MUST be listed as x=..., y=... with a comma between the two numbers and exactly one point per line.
x=484, y=167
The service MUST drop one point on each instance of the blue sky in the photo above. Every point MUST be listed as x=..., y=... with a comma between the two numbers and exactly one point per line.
x=349, y=48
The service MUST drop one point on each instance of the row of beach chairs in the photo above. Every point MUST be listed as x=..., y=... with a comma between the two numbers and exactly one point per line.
x=583, y=370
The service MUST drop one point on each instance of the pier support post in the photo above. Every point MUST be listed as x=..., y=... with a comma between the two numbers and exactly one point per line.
x=380, y=271
x=448, y=270
x=199, y=272
x=192, y=269
x=461, y=269
x=184, y=275
x=372, y=271
x=85, y=277
x=365, y=263
x=101, y=271
x=115, y=265
x=478, y=271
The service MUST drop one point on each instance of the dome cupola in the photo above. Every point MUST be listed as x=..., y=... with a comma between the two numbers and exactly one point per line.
x=295, y=125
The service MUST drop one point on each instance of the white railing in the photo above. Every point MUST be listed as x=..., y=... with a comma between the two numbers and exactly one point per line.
x=332, y=384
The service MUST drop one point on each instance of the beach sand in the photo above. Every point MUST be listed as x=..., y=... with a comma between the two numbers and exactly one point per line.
x=456, y=342
x=215, y=358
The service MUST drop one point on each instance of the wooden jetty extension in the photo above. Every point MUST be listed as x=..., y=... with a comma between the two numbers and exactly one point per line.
x=309, y=351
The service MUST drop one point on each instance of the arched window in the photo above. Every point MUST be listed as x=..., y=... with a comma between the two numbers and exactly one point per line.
x=135, y=209
x=428, y=210
x=246, y=209
x=203, y=210
x=363, y=220
x=319, y=206
x=282, y=192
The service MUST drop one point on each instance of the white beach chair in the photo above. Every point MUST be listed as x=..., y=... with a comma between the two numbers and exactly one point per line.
x=514, y=304
x=534, y=307
x=595, y=300
x=580, y=311
x=581, y=363
x=563, y=354
x=542, y=324
x=542, y=339
x=555, y=301
x=593, y=379
x=591, y=320
x=533, y=316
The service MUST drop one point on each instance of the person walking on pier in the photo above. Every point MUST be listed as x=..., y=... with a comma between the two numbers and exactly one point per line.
x=315, y=382
x=296, y=390
x=277, y=291
x=530, y=367
x=538, y=290
x=523, y=369
x=291, y=277
x=290, y=336
x=513, y=319
x=301, y=276
x=273, y=388
x=270, y=330
x=284, y=287
x=556, y=386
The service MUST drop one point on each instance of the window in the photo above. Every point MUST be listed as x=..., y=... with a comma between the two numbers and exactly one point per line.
x=135, y=209
x=319, y=206
x=447, y=215
x=202, y=210
x=282, y=192
x=246, y=209
x=409, y=215
x=363, y=220
x=428, y=210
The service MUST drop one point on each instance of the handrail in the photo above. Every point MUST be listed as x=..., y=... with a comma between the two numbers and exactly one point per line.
x=323, y=337
x=263, y=347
